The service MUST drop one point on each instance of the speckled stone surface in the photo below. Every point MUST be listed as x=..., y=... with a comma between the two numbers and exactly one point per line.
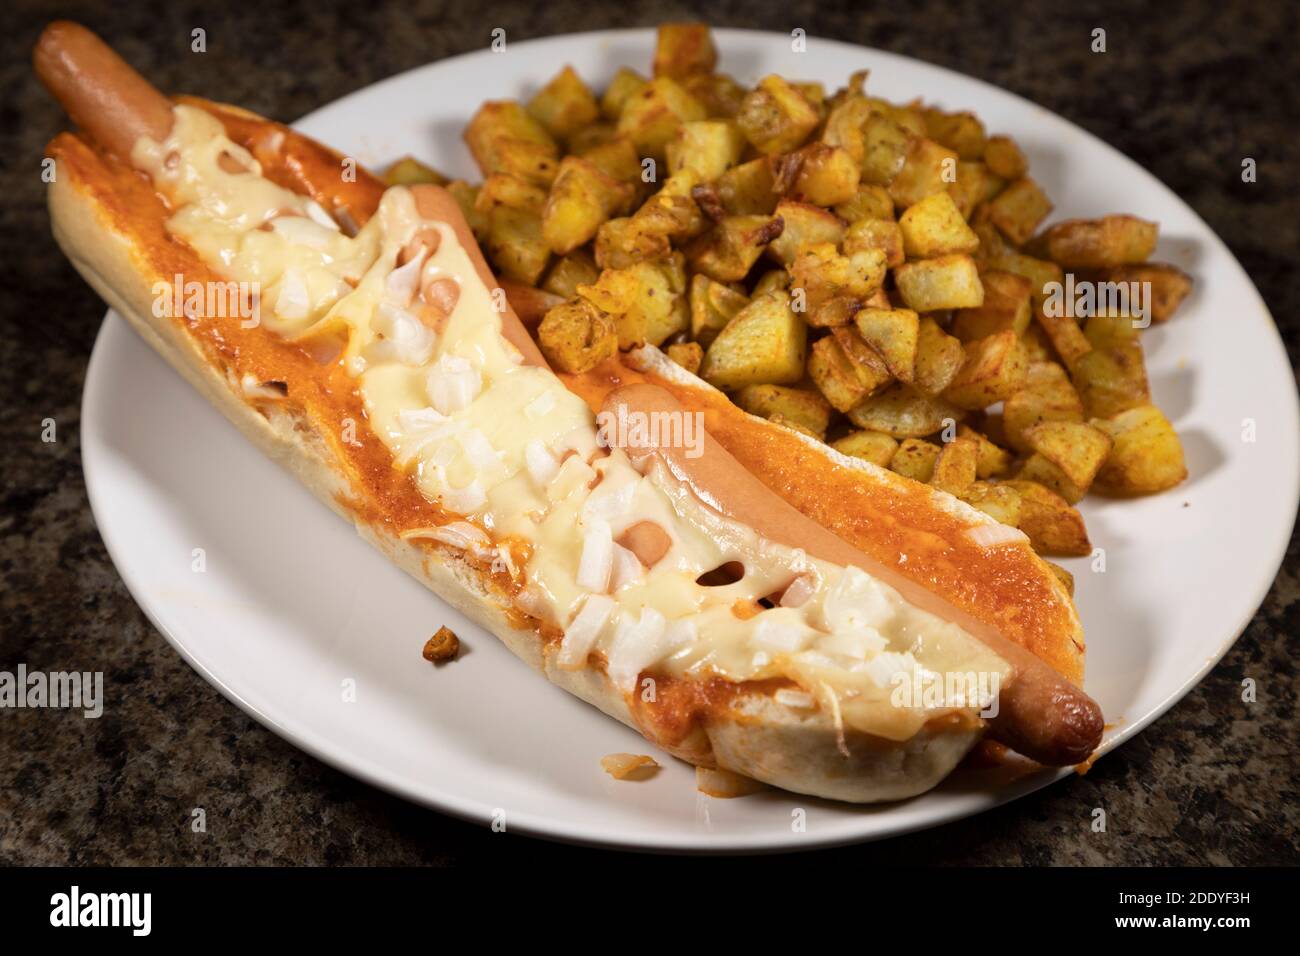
x=1185, y=90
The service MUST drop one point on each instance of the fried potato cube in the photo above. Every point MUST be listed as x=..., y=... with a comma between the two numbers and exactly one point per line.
x=804, y=224
x=886, y=147
x=503, y=138
x=945, y=282
x=713, y=305
x=652, y=115
x=1111, y=380
x=955, y=469
x=581, y=198
x=671, y=212
x=1041, y=273
x=994, y=370
x=709, y=147
x=1100, y=243
x=776, y=117
x=1047, y=396
x=564, y=105
x=1053, y=525
x=939, y=357
x=934, y=226
x=504, y=189
x=747, y=189
x=869, y=363
x=963, y=132
x=409, y=171
x=999, y=501
x=616, y=157
x=516, y=245
x=466, y=197
x=1168, y=285
x=927, y=169
x=1006, y=306
x=909, y=116
x=728, y=250
x=644, y=301
x=834, y=375
x=719, y=94
x=904, y=413
x=915, y=459
x=882, y=234
x=845, y=126
x=868, y=202
x=683, y=49
x=875, y=447
x=893, y=334
x=625, y=241
x=991, y=460
x=1067, y=456
x=570, y=271
x=802, y=409
x=827, y=175
x=1065, y=335
x=974, y=185
x=773, y=280
x=1038, y=347
x=827, y=286
x=587, y=138
x=688, y=355
x=1018, y=210
x=577, y=336
x=1146, y=456
x=764, y=344
x=625, y=85
x=1004, y=158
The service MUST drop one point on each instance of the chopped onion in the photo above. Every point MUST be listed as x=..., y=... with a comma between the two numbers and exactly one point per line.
x=464, y=500
x=293, y=301
x=608, y=503
x=597, y=561
x=629, y=766
x=453, y=383
x=458, y=534
x=478, y=449
x=302, y=232
x=402, y=282
x=541, y=405
x=995, y=535
x=319, y=215
x=799, y=591
x=404, y=338
x=574, y=473
x=858, y=601
x=583, y=632
x=789, y=697
x=635, y=647
x=540, y=463
x=627, y=568
x=778, y=634
x=885, y=666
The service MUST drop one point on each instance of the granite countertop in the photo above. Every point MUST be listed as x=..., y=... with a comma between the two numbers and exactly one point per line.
x=1184, y=93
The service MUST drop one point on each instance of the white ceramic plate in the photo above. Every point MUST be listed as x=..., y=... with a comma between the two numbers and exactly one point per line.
x=292, y=604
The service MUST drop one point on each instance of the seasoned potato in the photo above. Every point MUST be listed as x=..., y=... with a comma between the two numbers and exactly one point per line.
x=803, y=224
x=845, y=124
x=688, y=355
x=592, y=136
x=885, y=150
x=625, y=84
x=776, y=117
x=903, y=413
x=893, y=334
x=1004, y=158
x=1047, y=396
x=868, y=202
x=991, y=461
x=1067, y=456
x=652, y=115
x=994, y=370
x=503, y=189
x=671, y=212
x=842, y=382
x=642, y=300
x=503, y=138
x=773, y=280
x=718, y=93
x=999, y=501
x=617, y=157
x=974, y=185
x=728, y=251
x=927, y=170
x=409, y=171
x=1018, y=210
x=954, y=471
x=798, y=408
x=1168, y=284
x=625, y=241
x=1065, y=335
x=763, y=344
x=826, y=176
x=577, y=336
x=1111, y=380
x=963, y=132
x=709, y=147
x=564, y=105
x=882, y=234
x=747, y=189
x=516, y=244
x=934, y=226
x=1100, y=243
x=1039, y=272
x=915, y=459
x=1054, y=526
x=947, y=282
x=939, y=357
x=875, y=447
x=828, y=286
x=683, y=49
x=1006, y=305
x=1146, y=456
x=581, y=198
x=713, y=305
x=570, y=271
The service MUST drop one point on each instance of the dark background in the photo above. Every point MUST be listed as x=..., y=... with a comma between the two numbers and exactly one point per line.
x=1184, y=89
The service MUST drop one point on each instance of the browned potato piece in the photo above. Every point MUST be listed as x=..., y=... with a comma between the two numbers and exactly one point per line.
x=466, y=197
x=804, y=224
x=1111, y=380
x=776, y=117
x=992, y=461
x=1168, y=284
x=961, y=132
x=886, y=146
x=747, y=189
x=564, y=105
x=882, y=234
x=1066, y=336
x=616, y=157
x=827, y=175
x=869, y=202
x=569, y=272
x=1039, y=272
x=581, y=198
x=974, y=185
x=625, y=84
x=503, y=138
x=893, y=334
x=651, y=116
x=804, y=410
x=1147, y=456
x=1005, y=306
x=709, y=147
x=642, y=300
x=592, y=136
x=409, y=171
x=728, y=251
x=713, y=305
x=1067, y=456
x=773, y=280
x=1100, y=243
x=827, y=286
x=503, y=189
x=994, y=370
x=683, y=49
x=1004, y=158
x=516, y=244
x=955, y=470
x=720, y=95
x=915, y=459
x=1038, y=347
x=835, y=376
x=626, y=241
x=903, y=413
x=1018, y=210
x=934, y=226
x=763, y=344
x=875, y=447
x=1054, y=526
x=1047, y=396
x=927, y=170
x=688, y=355
x=845, y=126
x=947, y=282
x=671, y=212
x=939, y=357
x=998, y=501
x=577, y=336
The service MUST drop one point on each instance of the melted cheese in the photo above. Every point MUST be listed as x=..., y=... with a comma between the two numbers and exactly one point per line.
x=508, y=447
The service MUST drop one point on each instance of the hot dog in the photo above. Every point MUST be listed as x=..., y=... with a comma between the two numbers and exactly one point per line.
x=497, y=495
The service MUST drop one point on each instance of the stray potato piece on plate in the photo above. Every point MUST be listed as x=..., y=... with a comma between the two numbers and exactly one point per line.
x=915, y=459
x=1067, y=457
x=798, y=408
x=1099, y=243
x=994, y=370
x=688, y=355
x=1146, y=457
x=763, y=344
x=945, y=282
x=629, y=766
x=683, y=49
x=996, y=499
x=955, y=470
x=577, y=336
x=903, y=413
x=1054, y=525
x=875, y=447
x=442, y=647
x=935, y=226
